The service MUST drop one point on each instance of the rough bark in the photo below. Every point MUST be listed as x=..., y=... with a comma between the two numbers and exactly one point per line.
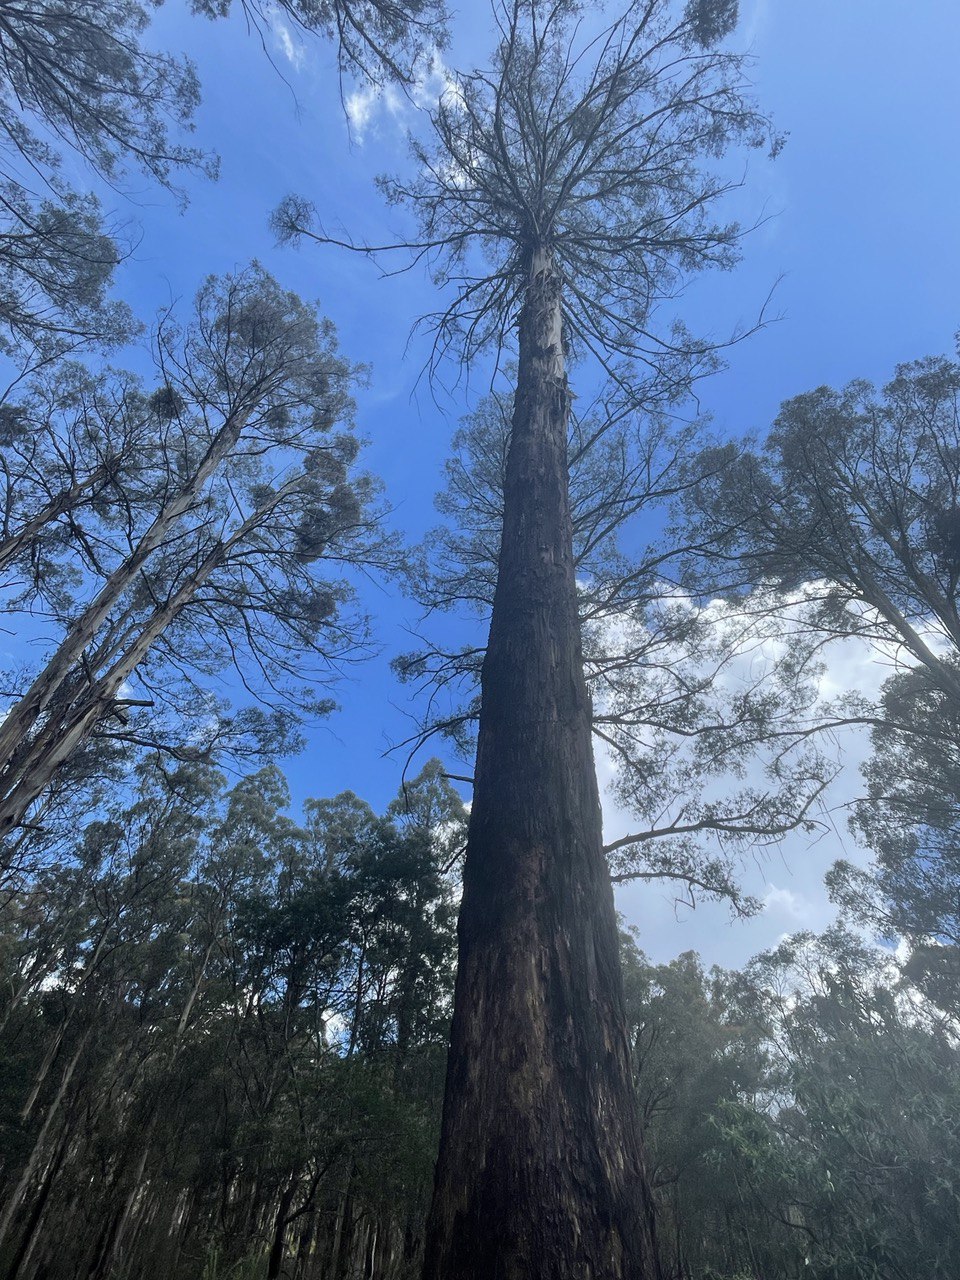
x=540, y=1174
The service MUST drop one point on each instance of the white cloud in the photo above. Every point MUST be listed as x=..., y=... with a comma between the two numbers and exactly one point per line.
x=786, y=902
x=794, y=897
x=290, y=45
x=370, y=105
x=294, y=53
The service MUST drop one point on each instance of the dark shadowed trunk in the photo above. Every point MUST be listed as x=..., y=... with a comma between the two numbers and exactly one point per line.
x=31, y=1232
x=275, y=1263
x=540, y=1175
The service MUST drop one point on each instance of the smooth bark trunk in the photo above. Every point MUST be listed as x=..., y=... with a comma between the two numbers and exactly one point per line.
x=12, y=544
x=31, y=1234
x=110, y=1250
x=540, y=1175
x=33, y=762
x=344, y=1238
x=39, y=1146
x=22, y=716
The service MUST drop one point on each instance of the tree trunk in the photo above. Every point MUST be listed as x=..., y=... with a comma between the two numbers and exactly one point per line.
x=12, y=544
x=31, y=1233
x=275, y=1261
x=39, y=1146
x=110, y=1249
x=34, y=762
x=540, y=1174
x=25, y=713
x=343, y=1242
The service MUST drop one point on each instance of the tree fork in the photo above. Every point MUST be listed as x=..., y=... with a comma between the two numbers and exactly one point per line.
x=540, y=1174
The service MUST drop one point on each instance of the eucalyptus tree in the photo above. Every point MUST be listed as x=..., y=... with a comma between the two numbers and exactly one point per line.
x=852, y=506
x=866, y=1074
x=565, y=192
x=73, y=442
x=376, y=39
x=77, y=76
x=909, y=817
x=214, y=545
x=688, y=693
x=703, y=1080
x=855, y=496
x=201, y=1059
x=80, y=78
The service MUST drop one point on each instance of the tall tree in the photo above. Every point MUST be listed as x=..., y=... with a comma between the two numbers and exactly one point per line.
x=376, y=39
x=224, y=1033
x=77, y=74
x=206, y=547
x=564, y=194
x=79, y=78
x=866, y=1075
x=687, y=692
x=852, y=507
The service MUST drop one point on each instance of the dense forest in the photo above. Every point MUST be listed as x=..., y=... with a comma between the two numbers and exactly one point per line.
x=257, y=1025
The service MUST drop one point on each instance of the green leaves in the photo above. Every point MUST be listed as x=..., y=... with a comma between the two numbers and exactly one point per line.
x=800, y=1114
x=258, y=1008
x=711, y=20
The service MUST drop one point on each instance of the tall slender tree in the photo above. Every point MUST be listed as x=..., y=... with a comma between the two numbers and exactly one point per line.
x=223, y=1032
x=564, y=195
x=209, y=544
x=673, y=705
x=79, y=78
x=853, y=506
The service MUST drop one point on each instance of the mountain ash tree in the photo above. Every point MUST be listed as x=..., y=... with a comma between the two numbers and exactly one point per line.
x=688, y=694
x=210, y=521
x=852, y=508
x=565, y=191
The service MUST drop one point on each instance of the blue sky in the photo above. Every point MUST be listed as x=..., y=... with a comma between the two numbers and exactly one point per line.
x=861, y=216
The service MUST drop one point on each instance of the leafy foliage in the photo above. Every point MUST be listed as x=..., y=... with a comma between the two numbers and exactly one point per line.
x=78, y=75
x=851, y=505
x=171, y=533
x=375, y=38
x=595, y=147
x=801, y=1115
x=214, y=1013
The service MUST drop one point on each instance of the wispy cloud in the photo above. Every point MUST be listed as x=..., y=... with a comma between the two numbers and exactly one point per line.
x=369, y=106
x=290, y=46
x=756, y=16
x=292, y=50
x=785, y=902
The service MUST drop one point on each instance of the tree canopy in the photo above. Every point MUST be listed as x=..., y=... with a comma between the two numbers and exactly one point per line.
x=256, y=1026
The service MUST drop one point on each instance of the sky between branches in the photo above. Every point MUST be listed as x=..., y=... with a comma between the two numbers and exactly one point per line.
x=859, y=218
